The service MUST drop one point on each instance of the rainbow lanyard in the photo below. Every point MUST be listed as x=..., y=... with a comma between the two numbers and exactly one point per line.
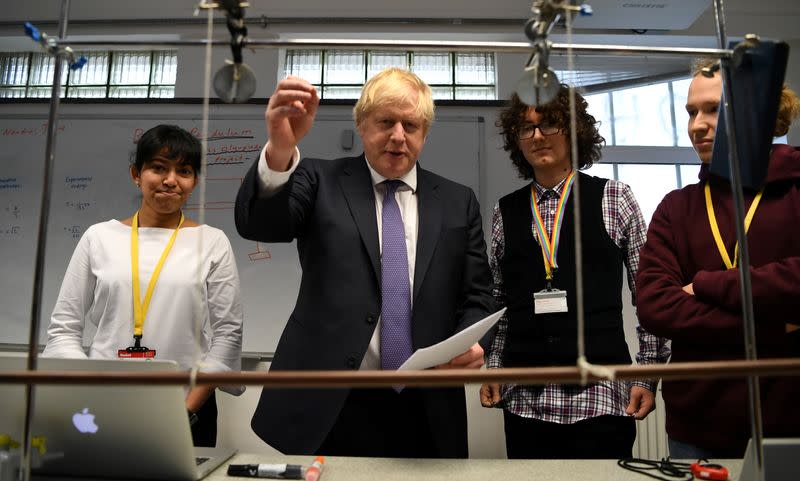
x=549, y=244
x=712, y=220
x=139, y=307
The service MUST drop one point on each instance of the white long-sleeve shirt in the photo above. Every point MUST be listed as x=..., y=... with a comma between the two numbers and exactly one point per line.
x=199, y=282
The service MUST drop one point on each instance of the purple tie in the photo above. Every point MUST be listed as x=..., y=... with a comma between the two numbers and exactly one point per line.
x=395, y=291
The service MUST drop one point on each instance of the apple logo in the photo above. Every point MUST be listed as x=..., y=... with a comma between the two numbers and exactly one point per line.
x=84, y=421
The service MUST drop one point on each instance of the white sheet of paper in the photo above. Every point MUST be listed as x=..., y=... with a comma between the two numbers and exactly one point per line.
x=451, y=347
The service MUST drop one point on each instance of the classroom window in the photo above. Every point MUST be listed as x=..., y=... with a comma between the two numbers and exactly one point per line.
x=689, y=174
x=679, y=94
x=600, y=169
x=649, y=115
x=649, y=182
x=642, y=116
x=599, y=106
x=107, y=74
x=340, y=74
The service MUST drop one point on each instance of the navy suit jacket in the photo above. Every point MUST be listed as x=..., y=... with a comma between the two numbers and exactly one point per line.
x=329, y=207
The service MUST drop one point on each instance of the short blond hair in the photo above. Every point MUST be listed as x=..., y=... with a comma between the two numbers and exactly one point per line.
x=701, y=63
x=788, y=108
x=395, y=86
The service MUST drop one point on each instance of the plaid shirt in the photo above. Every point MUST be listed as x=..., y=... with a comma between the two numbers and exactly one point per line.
x=562, y=404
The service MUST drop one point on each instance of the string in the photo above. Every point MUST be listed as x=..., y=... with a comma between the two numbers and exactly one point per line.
x=198, y=314
x=583, y=365
x=193, y=377
x=602, y=372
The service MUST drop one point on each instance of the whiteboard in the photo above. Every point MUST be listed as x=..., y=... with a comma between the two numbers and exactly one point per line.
x=90, y=184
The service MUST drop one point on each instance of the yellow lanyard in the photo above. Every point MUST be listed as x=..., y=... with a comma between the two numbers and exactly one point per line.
x=139, y=307
x=712, y=220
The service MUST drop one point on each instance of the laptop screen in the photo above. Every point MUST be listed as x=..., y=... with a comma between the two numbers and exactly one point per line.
x=104, y=430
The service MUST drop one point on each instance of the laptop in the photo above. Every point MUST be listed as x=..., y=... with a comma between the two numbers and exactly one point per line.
x=109, y=431
x=780, y=460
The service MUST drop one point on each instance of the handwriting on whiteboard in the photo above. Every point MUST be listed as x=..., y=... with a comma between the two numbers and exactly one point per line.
x=79, y=206
x=10, y=230
x=78, y=183
x=14, y=211
x=9, y=183
x=214, y=134
x=28, y=131
x=73, y=230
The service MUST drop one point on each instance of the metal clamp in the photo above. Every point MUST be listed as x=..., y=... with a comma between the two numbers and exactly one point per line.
x=50, y=46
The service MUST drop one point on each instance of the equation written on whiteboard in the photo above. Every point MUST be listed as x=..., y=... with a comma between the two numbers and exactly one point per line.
x=7, y=231
x=13, y=210
x=79, y=206
x=74, y=231
x=9, y=227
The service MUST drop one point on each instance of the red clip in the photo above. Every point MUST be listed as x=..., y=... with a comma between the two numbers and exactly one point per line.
x=127, y=354
x=714, y=472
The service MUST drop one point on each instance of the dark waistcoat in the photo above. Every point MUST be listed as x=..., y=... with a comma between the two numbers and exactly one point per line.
x=551, y=339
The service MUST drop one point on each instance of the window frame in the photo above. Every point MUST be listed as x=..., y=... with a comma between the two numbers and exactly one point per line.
x=673, y=115
x=67, y=87
x=453, y=87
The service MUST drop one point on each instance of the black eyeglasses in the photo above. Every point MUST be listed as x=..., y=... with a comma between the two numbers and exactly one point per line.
x=529, y=130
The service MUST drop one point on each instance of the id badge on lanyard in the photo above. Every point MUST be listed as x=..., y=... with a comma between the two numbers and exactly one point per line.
x=549, y=301
x=140, y=307
x=136, y=351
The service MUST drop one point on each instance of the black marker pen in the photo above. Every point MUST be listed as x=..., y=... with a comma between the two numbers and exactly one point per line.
x=272, y=471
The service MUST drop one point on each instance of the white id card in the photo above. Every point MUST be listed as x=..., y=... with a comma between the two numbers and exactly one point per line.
x=548, y=301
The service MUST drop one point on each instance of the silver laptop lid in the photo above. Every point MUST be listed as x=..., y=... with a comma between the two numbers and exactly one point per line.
x=113, y=431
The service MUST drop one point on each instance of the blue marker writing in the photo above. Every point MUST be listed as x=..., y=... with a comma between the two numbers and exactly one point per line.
x=272, y=471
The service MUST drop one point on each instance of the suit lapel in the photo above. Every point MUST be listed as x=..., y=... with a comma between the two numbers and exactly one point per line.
x=357, y=188
x=429, y=208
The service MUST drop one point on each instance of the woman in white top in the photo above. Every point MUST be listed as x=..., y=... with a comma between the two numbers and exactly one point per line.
x=187, y=306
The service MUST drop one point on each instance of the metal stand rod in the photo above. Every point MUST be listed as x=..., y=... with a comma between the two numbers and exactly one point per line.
x=576, y=209
x=41, y=244
x=458, y=46
x=789, y=367
x=748, y=316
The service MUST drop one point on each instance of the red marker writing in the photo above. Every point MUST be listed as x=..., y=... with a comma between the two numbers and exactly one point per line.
x=315, y=470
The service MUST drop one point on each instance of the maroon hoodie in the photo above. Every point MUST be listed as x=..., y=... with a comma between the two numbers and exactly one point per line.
x=680, y=249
